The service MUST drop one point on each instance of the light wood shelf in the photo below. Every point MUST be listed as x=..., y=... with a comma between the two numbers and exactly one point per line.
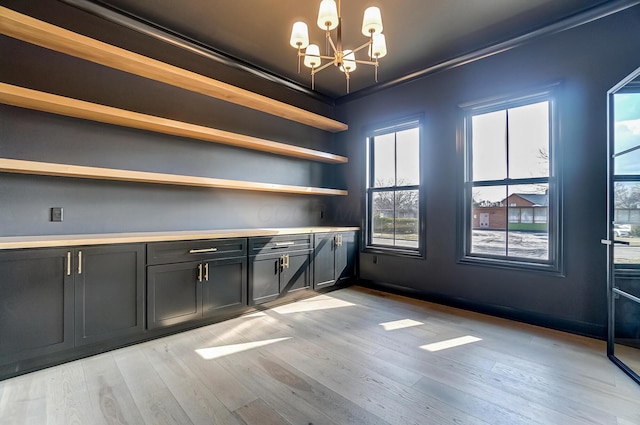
x=83, y=172
x=30, y=30
x=32, y=99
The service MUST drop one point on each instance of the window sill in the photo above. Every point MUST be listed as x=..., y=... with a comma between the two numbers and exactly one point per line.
x=513, y=264
x=398, y=252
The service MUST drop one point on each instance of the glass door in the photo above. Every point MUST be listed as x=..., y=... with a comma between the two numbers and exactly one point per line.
x=623, y=343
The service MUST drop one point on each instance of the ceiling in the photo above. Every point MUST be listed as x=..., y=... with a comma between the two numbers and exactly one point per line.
x=419, y=33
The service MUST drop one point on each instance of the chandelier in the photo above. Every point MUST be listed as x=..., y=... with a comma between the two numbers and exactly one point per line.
x=329, y=18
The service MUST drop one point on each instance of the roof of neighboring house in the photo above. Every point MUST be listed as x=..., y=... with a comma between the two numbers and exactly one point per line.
x=541, y=200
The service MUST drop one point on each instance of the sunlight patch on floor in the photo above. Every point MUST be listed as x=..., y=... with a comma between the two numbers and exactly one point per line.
x=225, y=350
x=312, y=304
x=450, y=343
x=400, y=324
x=256, y=314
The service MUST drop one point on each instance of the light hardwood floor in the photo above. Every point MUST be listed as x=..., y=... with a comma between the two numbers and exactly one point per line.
x=353, y=356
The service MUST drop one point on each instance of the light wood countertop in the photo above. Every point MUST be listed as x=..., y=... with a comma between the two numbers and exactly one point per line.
x=17, y=242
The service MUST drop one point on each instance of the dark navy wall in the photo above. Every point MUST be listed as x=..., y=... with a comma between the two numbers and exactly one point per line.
x=586, y=61
x=102, y=206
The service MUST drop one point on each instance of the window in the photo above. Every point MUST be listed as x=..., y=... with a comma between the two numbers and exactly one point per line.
x=511, y=194
x=394, y=200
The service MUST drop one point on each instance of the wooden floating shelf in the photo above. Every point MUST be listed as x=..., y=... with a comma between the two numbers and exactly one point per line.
x=62, y=170
x=30, y=30
x=32, y=99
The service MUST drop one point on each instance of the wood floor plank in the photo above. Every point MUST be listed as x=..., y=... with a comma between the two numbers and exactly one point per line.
x=303, y=399
x=67, y=396
x=215, y=378
x=395, y=403
x=259, y=413
x=23, y=400
x=198, y=401
x=314, y=404
x=111, y=400
x=155, y=402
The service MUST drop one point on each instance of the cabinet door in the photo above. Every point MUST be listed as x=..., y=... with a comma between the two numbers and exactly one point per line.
x=109, y=292
x=324, y=260
x=297, y=275
x=36, y=303
x=226, y=286
x=264, y=279
x=346, y=256
x=174, y=294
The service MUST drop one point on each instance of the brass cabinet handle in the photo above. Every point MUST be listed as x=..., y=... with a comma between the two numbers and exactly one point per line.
x=201, y=251
x=79, y=262
x=68, y=263
x=206, y=271
x=199, y=272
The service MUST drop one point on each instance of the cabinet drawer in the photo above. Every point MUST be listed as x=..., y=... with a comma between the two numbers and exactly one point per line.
x=182, y=251
x=275, y=244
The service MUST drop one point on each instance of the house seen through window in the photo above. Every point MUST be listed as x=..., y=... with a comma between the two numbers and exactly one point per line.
x=510, y=195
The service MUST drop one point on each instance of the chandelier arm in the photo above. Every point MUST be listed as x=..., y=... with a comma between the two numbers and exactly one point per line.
x=333, y=46
x=303, y=54
x=367, y=44
x=366, y=62
x=326, y=65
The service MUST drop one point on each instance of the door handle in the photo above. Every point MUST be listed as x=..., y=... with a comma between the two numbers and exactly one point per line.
x=199, y=272
x=68, y=263
x=614, y=242
x=206, y=271
x=286, y=260
x=79, y=262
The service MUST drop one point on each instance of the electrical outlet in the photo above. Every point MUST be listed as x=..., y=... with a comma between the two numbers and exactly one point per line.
x=56, y=214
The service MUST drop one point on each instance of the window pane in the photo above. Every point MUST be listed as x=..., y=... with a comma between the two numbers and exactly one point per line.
x=526, y=215
x=489, y=148
x=540, y=215
x=382, y=218
x=406, y=225
x=528, y=245
x=529, y=238
x=514, y=215
x=384, y=160
x=626, y=227
x=529, y=141
x=489, y=221
x=627, y=121
x=628, y=163
x=408, y=157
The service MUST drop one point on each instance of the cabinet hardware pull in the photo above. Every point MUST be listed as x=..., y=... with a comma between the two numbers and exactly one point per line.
x=281, y=262
x=199, y=272
x=206, y=272
x=68, y=263
x=286, y=260
x=79, y=262
x=279, y=244
x=200, y=251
